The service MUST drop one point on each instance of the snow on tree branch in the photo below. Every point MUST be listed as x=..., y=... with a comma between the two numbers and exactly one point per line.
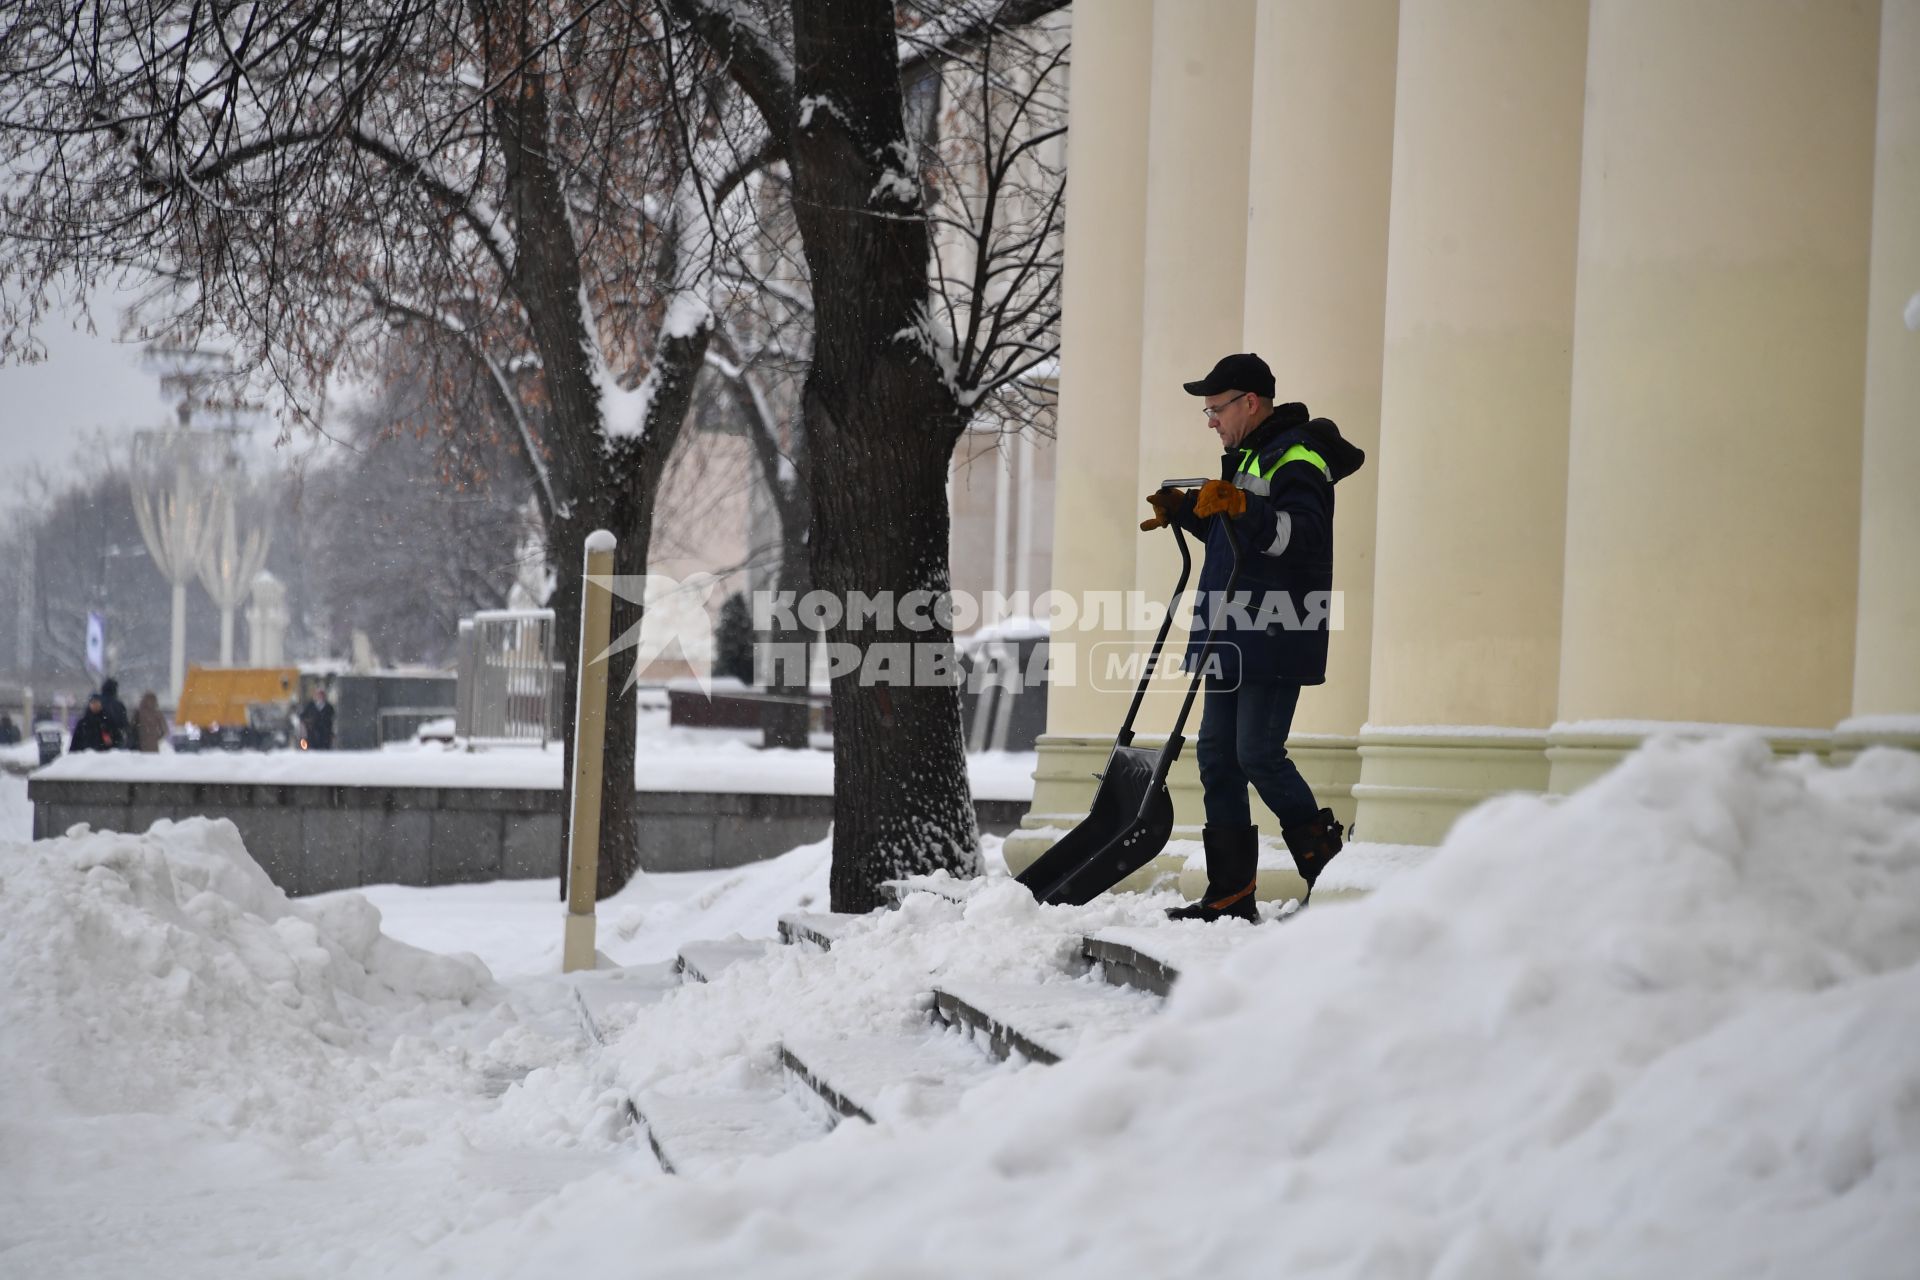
x=753, y=53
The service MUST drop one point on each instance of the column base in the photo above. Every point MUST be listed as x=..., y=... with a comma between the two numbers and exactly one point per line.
x=1851, y=737
x=1582, y=751
x=1064, y=783
x=1415, y=781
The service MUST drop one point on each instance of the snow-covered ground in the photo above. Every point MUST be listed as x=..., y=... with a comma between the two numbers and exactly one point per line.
x=16, y=814
x=1663, y=1028
x=514, y=925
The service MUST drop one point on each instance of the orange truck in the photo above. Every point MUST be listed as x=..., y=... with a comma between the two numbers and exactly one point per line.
x=227, y=702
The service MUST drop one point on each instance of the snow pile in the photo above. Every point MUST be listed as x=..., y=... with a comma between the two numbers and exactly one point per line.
x=166, y=973
x=1665, y=1027
x=199, y=1077
x=653, y=916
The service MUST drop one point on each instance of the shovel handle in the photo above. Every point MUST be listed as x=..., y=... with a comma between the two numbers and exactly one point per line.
x=1160, y=640
x=1174, y=739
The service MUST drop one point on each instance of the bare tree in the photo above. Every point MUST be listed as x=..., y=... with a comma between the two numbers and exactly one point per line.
x=986, y=108
x=410, y=527
x=558, y=188
x=545, y=185
x=87, y=556
x=903, y=351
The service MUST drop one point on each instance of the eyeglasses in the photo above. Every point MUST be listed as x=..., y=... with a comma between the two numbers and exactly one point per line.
x=1213, y=411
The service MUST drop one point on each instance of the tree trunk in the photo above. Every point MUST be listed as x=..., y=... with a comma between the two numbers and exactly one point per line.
x=877, y=408
x=901, y=803
x=599, y=483
x=621, y=499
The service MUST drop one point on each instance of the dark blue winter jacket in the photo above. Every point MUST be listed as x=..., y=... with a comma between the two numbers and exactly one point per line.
x=1274, y=625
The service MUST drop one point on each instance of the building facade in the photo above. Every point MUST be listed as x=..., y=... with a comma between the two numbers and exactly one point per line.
x=1620, y=297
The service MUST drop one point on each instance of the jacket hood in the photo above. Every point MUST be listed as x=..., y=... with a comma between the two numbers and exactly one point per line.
x=1343, y=456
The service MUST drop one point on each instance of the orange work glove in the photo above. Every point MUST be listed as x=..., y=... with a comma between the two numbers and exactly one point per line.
x=1220, y=495
x=1166, y=504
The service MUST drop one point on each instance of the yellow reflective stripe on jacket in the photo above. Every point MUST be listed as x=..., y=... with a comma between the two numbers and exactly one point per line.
x=1250, y=462
x=1300, y=453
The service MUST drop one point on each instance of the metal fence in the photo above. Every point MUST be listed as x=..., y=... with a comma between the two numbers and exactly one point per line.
x=1001, y=708
x=509, y=682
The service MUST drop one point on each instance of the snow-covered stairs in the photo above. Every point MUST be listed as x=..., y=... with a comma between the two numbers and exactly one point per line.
x=889, y=1078
x=976, y=1028
x=1043, y=1021
x=819, y=929
x=1152, y=959
x=1129, y=966
x=702, y=961
x=694, y=1134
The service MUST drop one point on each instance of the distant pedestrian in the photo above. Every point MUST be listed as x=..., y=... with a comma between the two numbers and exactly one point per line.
x=116, y=711
x=9, y=731
x=316, y=721
x=92, y=732
x=149, y=726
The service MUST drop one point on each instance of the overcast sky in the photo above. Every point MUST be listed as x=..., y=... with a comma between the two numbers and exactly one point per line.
x=93, y=384
x=85, y=382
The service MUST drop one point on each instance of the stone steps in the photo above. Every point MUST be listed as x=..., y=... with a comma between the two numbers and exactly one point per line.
x=887, y=1077
x=908, y=1076
x=1126, y=965
x=1151, y=958
x=699, y=1133
x=702, y=961
x=820, y=929
x=1045, y=1021
x=824, y=1081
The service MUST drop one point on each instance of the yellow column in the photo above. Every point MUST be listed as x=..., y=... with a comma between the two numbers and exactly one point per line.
x=1197, y=79
x=1196, y=269
x=1713, y=513
x=1318, y=180
x=1095, y=520
x=1886, y=672
x=1196, y=263
x=1473, y=426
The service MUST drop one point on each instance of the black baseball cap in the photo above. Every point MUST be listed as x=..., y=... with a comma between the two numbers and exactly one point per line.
x=1243, y=372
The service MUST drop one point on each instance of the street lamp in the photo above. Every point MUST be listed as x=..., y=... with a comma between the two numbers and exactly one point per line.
x=184, y=483
x=175, y=498
x=230, y=566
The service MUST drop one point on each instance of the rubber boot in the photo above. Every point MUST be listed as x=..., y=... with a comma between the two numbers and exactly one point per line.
x=1313, y=845
x=1233, y=858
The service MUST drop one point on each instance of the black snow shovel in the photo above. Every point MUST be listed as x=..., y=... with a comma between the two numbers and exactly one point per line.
x=1132, y=814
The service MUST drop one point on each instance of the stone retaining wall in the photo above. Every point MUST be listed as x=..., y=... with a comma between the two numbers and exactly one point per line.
x=312, y=839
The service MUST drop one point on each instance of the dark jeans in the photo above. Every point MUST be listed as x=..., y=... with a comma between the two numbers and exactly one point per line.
x=1243, y=738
